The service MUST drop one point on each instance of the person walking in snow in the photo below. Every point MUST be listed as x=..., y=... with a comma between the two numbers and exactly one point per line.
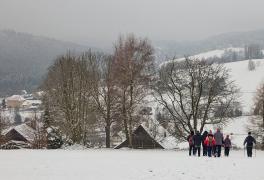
x=197, y=141
x=205, y=133
x=210, y=143
x=227, y=145
x=191, y=144
x=249, y=142
x=219, y=139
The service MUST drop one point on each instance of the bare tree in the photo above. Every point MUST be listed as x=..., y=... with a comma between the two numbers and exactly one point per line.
x=1, y=126
x=68, y=88
x=257, y=120
x=253, y=51
x=251, y=65
x=105, y=94
x=191, y=91
x=4, y=123
x=134, y=63
x=259, y=103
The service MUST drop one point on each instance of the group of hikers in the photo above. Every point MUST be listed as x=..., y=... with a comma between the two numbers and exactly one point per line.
x=212, y=143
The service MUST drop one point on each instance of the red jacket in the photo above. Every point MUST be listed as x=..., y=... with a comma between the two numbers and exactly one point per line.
x=208, y=143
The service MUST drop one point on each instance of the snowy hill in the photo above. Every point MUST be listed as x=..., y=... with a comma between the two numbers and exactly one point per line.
x=216, y=53
x=247, y=81
x=24, y=59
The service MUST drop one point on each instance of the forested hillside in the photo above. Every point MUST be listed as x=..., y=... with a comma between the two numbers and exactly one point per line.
x=24, y=59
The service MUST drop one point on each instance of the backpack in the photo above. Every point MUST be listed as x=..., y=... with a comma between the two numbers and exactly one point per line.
x=210, y=140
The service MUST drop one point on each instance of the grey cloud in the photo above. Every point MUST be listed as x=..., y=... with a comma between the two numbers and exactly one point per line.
x=101, y=21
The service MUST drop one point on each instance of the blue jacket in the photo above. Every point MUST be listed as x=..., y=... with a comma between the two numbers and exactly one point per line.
x=249, y=141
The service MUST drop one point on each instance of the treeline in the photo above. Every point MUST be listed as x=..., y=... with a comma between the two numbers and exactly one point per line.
x=106, y=93
x=251, y=51
x=98, y=92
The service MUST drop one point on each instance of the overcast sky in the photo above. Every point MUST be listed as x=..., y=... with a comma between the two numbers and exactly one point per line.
x=101, y=21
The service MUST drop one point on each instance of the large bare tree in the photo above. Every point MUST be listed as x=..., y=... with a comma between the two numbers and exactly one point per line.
x=191, y=92
x=105, y=94
x=257, y=120
x=259, y=103
x=68, y=88
x=134, y=60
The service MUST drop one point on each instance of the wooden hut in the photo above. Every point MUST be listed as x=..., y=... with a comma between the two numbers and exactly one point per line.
x=141, y=139
x=21, y=132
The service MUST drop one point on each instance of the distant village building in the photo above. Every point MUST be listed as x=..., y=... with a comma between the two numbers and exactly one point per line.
x=38, y=94
x=31, y=105
x=14, y=101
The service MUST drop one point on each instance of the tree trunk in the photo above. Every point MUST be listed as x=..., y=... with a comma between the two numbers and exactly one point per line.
x=107, y=134
x=108, y=122
x=263, y=113
x=125, y=116
x=130, y=116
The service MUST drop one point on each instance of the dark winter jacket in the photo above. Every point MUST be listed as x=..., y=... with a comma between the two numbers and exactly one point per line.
x=219, y=138
x=227, y=142
x=197, y=140
x=249, y=141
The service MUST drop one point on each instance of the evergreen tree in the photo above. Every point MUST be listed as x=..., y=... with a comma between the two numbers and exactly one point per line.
x=54, y=139
x=46, y=119
x=3, y=104
x=53, y=136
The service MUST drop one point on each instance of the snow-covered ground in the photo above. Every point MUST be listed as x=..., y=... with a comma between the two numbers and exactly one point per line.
x=126, y=165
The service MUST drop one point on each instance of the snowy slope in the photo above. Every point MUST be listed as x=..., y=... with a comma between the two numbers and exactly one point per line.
x=126, y=165
x=216, y=53
x=246, y=80
x=209, y=54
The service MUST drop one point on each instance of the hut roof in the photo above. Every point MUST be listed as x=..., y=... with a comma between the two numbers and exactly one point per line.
x=167, y=142
x=24, y=130
x=161, y=141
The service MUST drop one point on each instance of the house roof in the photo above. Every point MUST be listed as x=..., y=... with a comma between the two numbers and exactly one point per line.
x=24, y=130
x=15, y=98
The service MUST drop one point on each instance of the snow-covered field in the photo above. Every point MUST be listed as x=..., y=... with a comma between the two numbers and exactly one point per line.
x=126, y=165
